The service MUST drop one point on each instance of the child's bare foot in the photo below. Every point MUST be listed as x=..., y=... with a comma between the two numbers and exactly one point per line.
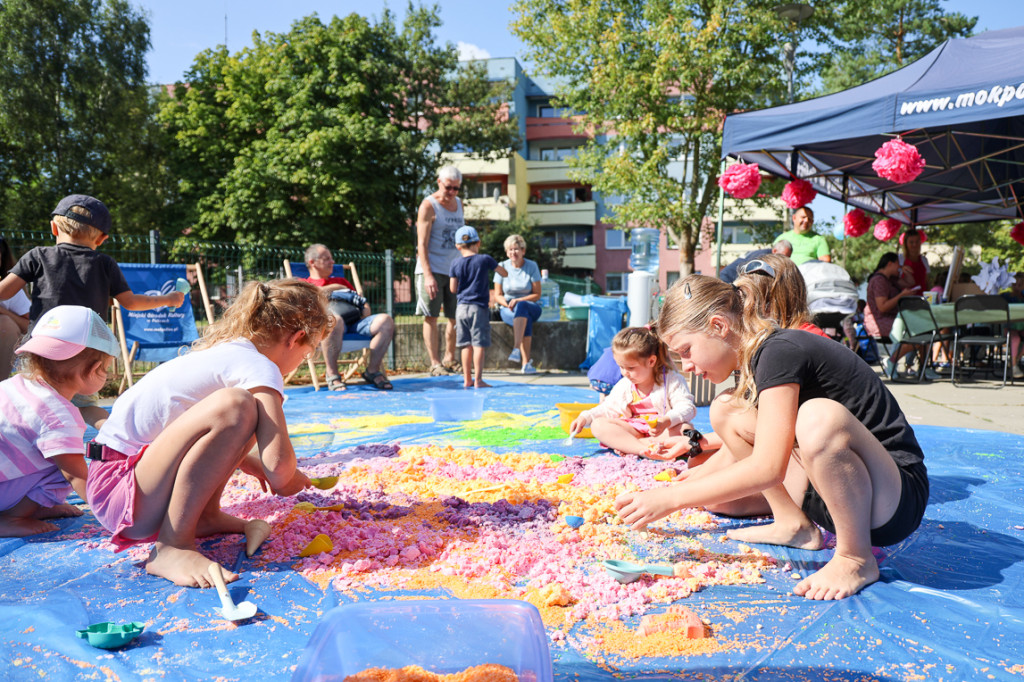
x=21, y=527
x=58, y=511
x=219, y=524
x=468, y=384
x=185, y=567
x=482, y=384
x=802, y=536
x=841, y=577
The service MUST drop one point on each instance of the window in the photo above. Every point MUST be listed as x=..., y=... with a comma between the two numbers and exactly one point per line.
x=562, y=195
x=483, y=190
x=615, y=239
x=548, y=111
x=615, y=282
x=557, y=153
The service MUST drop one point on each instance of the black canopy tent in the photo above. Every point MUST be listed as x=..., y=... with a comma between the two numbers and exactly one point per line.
x=962, y=106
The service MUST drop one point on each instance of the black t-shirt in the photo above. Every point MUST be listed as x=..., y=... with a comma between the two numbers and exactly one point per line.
x=826, y=369
x=70, y=274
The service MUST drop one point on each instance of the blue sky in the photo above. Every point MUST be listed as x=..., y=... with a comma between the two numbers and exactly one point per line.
x=180, y=29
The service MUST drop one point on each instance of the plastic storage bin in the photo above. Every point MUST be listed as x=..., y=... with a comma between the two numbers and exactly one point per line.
x=459, y=406
x=442, y=636
x=569, y=411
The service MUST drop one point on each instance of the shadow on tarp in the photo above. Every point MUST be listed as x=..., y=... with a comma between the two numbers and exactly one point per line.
x=950, y=604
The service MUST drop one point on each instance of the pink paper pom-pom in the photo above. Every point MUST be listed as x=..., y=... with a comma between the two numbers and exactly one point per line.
x=740, y=180
x=1017, y=233
x=898, y=161
x=798, y=193
x=886, y=229
x=856, y=223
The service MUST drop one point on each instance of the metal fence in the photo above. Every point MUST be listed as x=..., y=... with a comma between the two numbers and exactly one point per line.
x=227, y=265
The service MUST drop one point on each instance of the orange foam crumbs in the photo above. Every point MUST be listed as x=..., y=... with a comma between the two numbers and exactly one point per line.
x=488, y=672
x=622, y=641
x=675, y=619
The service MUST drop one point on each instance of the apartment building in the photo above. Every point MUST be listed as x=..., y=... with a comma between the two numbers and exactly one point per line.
x=534, y=182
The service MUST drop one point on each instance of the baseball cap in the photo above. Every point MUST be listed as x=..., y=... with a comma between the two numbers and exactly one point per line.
x=466, y=235
x=65, y=331
x=100, y=215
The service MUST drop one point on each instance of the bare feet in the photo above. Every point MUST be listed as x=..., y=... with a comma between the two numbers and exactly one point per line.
x=802, y=536
x=219, y=524
x=482, y=384
x=58, y=511
x=468, y=384
x=182, y=566
x=841, y=577
x=20, y=527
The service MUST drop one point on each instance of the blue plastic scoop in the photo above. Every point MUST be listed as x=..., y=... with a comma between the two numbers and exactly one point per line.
x=627, y=571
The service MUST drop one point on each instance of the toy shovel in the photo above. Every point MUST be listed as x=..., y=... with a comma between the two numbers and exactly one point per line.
x=627, y=571
x=229, y=609
x=572, y=434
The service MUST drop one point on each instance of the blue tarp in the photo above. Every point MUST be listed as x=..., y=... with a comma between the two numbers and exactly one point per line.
x=949, y=606
x=160, y=332
x=961, y=105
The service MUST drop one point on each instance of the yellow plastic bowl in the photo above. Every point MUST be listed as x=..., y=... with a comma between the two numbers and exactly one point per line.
x=569, y=412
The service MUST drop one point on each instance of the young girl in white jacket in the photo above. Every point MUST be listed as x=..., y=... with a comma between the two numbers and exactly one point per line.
x=650, y=402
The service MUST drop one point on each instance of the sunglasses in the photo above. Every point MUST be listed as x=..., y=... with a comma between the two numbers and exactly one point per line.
x=452, y=188
x=756, y=267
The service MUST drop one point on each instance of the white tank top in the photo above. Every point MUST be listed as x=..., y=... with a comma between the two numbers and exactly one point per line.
x=441, y=247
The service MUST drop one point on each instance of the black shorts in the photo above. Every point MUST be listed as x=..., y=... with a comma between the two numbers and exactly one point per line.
x=904, y=521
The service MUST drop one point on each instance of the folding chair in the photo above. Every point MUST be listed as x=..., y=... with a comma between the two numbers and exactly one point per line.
x=351, y=342
x=994, y=344
x=161, y=334
x=921, y=328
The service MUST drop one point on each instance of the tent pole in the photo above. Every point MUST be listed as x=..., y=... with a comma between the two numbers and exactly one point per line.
x=846, y=209
x=721, y=217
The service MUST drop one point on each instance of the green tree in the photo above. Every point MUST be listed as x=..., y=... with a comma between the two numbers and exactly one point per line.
x=76, y=115
x=330, y=132
x=870, y=38
x=652, y=81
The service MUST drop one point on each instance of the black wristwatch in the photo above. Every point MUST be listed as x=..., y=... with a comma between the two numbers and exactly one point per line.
x=695, y=449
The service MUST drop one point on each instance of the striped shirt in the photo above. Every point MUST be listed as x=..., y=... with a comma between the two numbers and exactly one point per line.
x=37, y=423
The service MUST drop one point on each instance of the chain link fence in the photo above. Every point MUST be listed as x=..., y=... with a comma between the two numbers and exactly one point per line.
x=388, y=281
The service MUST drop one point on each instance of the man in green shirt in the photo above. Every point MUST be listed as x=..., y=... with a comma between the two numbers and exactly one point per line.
x=807, y=244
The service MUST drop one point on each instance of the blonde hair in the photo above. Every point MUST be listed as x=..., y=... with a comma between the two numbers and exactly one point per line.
x=73, y=228
x=785, y=294
x=267, y=312
x=692, y=302
x=641, y=343
x=56, y=373
x=514, y=240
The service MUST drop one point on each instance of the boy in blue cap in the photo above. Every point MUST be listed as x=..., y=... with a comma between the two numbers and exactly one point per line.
x=469, y=280
x=72, y=272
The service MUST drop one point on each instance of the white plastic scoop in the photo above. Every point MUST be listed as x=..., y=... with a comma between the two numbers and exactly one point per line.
x=229, y=609
x=568, y=441
x=627, y=571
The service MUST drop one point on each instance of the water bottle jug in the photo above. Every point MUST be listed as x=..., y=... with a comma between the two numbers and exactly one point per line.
x=548, y=298
x=645, y=250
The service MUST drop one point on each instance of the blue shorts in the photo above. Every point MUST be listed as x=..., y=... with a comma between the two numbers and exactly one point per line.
x=362, y=326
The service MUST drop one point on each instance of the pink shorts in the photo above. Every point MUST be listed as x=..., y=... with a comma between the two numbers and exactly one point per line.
x=47, y=488
x=640, y=424
x=111, y=490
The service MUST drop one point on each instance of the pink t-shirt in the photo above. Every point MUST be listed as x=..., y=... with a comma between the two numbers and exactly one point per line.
x=37, y=424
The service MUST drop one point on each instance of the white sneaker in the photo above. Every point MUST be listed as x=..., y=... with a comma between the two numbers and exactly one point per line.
x=528, y=368
x=1018, y=373
x=515, y=356
x=930, y=374
x=889, y=368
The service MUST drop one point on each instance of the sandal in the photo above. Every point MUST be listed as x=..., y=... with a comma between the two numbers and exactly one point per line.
x=378, y=379
x=336, y=384
x=439, y=371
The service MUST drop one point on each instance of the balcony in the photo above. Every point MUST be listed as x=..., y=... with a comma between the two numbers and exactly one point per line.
x=470, y=166
x=487, y=209
x=551, y=128
x=543, y=172
x=580, y=257
x=552, y=215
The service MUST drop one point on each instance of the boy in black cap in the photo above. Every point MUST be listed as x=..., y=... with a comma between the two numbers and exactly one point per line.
x=72, y=272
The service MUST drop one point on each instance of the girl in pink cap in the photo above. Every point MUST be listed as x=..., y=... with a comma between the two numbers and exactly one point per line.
x=42, y=454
